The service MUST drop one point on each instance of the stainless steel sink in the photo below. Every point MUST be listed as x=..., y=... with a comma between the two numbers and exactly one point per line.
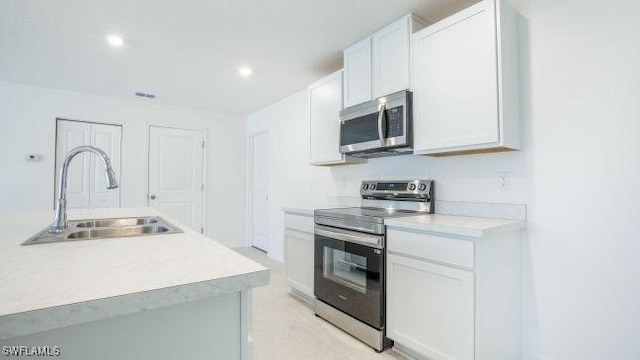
x=117, y=232
x=123, y=222
x=106, y=228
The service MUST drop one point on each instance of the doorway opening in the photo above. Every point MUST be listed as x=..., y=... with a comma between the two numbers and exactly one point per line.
x=259, y=190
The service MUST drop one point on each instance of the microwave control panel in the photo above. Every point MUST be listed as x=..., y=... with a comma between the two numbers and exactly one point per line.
x=394, y=122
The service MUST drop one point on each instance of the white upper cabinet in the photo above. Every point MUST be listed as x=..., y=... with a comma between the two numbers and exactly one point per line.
x=391, y=56
x=379, y=65
x=465, y=82
x=325, y=103
x=357, y=70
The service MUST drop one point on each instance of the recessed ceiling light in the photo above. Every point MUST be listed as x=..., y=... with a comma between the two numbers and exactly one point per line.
x=115, y=40
x=245, y=71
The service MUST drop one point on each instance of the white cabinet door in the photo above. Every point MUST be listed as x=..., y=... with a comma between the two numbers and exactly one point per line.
x=465, y=82
x=455, y=88
x=380, y=64
x=430, y=308
x=357, y=73
x=391, y=58
x=299, y=260
x=325, y=103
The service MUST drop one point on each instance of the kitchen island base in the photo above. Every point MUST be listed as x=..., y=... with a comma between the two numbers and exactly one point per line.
x=210, y=328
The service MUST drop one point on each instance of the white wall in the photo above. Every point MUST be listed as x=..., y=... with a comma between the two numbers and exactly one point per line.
x=293, y=182
x=578, y=174
x=27, y=124
x=584, y=117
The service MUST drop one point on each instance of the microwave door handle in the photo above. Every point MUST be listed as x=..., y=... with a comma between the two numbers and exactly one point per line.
x=382, y=123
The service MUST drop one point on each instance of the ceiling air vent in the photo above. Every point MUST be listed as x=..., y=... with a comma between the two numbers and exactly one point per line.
x=148, y=96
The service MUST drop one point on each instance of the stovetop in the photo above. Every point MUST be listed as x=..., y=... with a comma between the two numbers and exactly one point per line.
x=381, y=200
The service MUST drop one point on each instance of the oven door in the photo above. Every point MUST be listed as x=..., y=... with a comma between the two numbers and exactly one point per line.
x=348, y=273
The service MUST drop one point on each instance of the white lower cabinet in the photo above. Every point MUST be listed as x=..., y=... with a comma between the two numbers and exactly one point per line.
x=430, y=308
x=299, y=264
x=454, y=298
x=298, y=242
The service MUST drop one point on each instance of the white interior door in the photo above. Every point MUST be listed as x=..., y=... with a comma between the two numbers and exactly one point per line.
x=260, y=191
x=86, y=184
x=108, y=138
x=176, y=182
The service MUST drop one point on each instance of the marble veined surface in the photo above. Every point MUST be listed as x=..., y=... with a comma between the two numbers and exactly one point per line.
x=467, y=226
x=46, y=286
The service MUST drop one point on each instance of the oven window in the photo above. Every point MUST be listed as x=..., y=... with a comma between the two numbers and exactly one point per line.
x=346, y=269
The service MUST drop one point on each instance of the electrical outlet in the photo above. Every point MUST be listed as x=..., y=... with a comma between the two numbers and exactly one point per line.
x=504, y=180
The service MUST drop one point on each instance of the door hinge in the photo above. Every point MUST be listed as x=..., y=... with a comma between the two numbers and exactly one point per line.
x=202, y=143
x=201, y=230
x=202, y=188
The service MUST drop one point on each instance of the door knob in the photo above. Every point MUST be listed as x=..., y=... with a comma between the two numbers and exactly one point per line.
x=152, y=197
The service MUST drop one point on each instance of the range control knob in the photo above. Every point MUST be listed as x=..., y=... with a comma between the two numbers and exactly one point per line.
x=412, y=187
x=422, y=187
x=365, y=186
x=372, y=186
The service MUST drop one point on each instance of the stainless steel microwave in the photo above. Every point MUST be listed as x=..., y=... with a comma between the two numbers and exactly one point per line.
x=378, y=128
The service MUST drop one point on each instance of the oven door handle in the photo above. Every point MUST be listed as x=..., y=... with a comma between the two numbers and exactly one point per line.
x=375, y=241
x=382, y=124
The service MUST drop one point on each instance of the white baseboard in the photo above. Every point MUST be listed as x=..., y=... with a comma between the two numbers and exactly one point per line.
x=306, y=298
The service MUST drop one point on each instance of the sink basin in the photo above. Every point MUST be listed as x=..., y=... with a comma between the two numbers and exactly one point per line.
x=117, y=232
x=123, y=222
x=106, y=228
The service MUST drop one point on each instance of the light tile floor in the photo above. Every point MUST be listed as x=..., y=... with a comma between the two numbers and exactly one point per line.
x=284, y=327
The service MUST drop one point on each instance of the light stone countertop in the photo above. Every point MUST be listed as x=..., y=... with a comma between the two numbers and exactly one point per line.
x=301, y=210
x=332, y=202
x=453, y=225
x=47, y=286
x=466, y=226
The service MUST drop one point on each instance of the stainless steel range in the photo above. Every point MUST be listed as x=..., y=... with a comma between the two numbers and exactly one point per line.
x=349, y=256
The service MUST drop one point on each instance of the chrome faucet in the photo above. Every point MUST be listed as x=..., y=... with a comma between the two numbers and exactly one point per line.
x=60, y=223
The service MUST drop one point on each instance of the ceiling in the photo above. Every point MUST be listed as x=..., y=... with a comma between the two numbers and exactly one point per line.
x=187, y=52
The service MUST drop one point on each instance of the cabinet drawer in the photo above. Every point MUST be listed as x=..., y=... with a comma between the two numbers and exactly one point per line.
x=298, y=222
x=431, y=247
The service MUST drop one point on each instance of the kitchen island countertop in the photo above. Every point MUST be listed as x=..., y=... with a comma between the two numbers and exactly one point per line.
x=47, y=286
